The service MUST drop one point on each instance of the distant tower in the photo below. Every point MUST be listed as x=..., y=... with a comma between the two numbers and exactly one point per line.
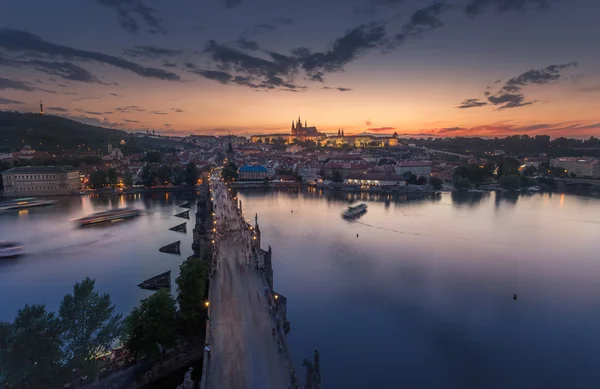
x=342, y=132
x=109, y=148
x=41, y=108
x=293, y=128
x=339, y=132
x=305, y=124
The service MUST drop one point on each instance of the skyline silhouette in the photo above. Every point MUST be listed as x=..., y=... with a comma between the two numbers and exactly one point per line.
x=442, y=68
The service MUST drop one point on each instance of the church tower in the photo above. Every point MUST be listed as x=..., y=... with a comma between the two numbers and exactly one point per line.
x=41, y=108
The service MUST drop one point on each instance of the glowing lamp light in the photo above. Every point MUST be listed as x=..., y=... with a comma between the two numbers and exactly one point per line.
x=276, y=297
x=254, y=237
x=206, y=304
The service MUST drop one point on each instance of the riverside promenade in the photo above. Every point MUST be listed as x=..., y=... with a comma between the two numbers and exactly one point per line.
x=248, y=347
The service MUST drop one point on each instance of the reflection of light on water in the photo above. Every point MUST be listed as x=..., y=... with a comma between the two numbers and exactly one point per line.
x=23, y=212
x=562, y=200
x=122, y=201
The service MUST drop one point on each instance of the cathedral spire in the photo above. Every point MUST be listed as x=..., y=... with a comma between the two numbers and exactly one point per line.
x=41, y=108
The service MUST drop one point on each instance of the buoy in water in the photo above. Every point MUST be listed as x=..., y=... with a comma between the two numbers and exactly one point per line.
x=514, y=296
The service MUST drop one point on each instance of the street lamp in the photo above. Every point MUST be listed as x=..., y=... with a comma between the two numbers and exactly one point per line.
x=206, y=304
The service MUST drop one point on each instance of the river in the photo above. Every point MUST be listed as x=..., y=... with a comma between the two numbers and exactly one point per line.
x=418, y=293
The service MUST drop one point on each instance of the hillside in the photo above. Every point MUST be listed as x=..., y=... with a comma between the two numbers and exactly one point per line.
x=55, y=134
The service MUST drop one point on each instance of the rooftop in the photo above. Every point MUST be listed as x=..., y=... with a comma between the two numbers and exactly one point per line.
x=253, y=169
x=37, y=169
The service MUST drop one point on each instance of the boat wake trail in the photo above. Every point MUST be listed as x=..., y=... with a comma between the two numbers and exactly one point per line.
x=392, y=230
x=65, y=247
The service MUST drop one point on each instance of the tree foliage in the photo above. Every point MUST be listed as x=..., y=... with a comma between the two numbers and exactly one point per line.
x=153, y=157
x=178, y=175
x=336, y=176
x=30, y=352
x=150, y=325
x=164, y=174
x=112, y=177
x=512, y=182
x=230, y=171
x=436, y=183
x=191, y=286
x=128, y=178
x=147, y=176
x=88, y=323
x=191, y=174
x=461, y=183
x=97, y=179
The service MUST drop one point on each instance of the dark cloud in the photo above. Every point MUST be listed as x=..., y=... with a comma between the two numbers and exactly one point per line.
x=509, y=100
x=132, y=12
x=381, y=129
x=56, y=109
x=168, y=64
x=216, y=75
x=425, y=19
x=6, y=83
x=536, y=76
x=116, y=95
x=247, y=44
x=472, y=103
x=130, y=121
x=368, y=122
x=263, y=27
x=167, y=125
x=4, y=101
x=86, y=98
x=511, y=94
x=177, y=110
x=158, y=113
x=130, y=108
x=94, y=113
x=341, y=89
x=150, y=51
x=253, y=71
x=65, y=70
x=476, y=7
x=32, y=45
x=354, y=43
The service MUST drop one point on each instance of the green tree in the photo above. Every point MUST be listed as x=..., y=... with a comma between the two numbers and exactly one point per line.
x=147, y=176
x=150, y=325
x=422, y=180
x=191, y=174
x=191, y=286
x=31, y=355
x=112, y=177
x=178, y=175
x=153, y=157
x=230, y=171
x=336, y=176
x=128, y=178
x=436, y=183
x=461, y=183
x=97, y=179
x=164, y=174
x=89, y=325
x=4, y=165
x=412, y=179
x=529, y=171
x=512, y=182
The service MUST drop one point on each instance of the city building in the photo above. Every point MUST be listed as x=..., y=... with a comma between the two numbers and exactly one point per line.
x=418, y=168
x=581, y=167
x=360, y=141
x=252, y=172
x=40, y=181
x=374, y=179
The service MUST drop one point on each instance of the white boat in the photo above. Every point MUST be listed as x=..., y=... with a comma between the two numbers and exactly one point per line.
x=28, y=202
x=112, y=215
x=354, y=212
x=10, y=249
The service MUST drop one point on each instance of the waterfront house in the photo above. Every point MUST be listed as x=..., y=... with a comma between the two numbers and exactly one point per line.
x=252, y=172
x=40, y=181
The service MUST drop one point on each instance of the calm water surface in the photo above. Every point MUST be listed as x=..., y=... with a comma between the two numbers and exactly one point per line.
x=422, y=298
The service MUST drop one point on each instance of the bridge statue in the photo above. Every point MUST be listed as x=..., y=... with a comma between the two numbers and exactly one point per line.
x=187, y=380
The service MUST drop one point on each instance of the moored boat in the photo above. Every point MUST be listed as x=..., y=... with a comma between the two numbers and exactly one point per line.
x=354, y=212
x=114, y=215
x=22, y=203
x=10, y=249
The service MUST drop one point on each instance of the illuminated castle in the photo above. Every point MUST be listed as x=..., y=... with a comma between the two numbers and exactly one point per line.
x=299, y=131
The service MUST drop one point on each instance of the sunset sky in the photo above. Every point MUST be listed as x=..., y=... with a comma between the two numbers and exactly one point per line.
x=417, y=67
